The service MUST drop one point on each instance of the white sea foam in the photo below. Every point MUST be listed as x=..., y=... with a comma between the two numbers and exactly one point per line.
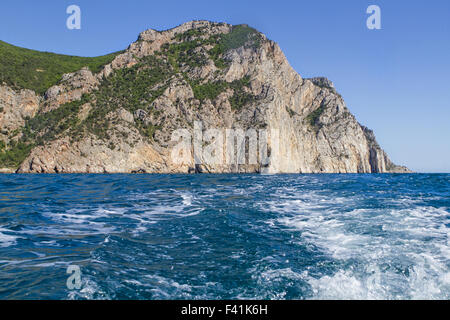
x=187, y=199
x=7, y=239
x=399, y=253
x=344, y=285
x=162, y=287
x=89, y=290
x=142, y=210
x=78, y=221
x=168, y=205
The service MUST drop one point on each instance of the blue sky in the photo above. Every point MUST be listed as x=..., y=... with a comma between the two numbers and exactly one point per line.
x=395, y=80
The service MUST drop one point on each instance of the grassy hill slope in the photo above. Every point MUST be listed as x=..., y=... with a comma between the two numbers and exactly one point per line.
x=38, y=71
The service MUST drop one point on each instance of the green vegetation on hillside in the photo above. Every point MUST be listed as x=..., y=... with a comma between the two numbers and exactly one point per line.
x=131, y=88
x=46, y=127
x=192, y=33
x=240, y=36
x=208, y=90
x=14, y=155
x=38, y=130
x=241, y=97
x=38, y=71
x=183, y=53
x=314, y=116
x=211, y=90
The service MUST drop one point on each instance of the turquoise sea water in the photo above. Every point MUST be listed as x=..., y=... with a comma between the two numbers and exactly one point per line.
x=225, y=236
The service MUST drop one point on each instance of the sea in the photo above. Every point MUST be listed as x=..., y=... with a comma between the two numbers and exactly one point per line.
x=151, y=236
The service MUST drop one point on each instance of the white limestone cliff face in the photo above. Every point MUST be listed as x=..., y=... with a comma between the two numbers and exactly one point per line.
x=318, y=134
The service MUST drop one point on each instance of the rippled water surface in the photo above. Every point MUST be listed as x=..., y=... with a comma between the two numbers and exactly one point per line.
x=225, y=236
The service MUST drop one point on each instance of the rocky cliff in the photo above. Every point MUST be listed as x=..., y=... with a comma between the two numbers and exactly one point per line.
x=122, y=118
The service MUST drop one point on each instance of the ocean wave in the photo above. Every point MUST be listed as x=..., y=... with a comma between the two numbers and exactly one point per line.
x=227, y=236
x=7, y=239
x=394, y=253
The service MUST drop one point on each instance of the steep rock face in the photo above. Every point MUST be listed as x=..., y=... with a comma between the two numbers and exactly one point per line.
x=15, y=108
x=223, y=76
x=71, y=87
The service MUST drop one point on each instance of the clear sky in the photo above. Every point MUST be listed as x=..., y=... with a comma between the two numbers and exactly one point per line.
x=395, y=80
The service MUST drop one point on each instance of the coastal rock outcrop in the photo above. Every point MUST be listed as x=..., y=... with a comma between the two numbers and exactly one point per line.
x=222, y=76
